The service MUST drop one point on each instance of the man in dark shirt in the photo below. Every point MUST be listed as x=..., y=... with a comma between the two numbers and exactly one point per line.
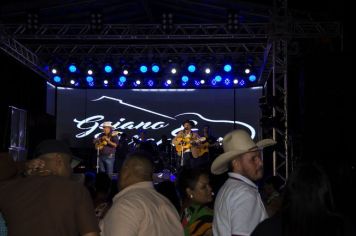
x=107, y=143
x=48, y=204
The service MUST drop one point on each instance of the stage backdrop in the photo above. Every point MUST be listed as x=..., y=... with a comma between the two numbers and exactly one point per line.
x=80, y=113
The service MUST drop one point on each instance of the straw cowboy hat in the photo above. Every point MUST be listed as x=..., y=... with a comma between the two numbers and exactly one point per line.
x=236, y=143
x=107, y=124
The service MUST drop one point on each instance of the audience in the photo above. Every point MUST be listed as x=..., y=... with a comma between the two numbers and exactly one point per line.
x=307, y=208
x=138, y=209
x=238, y=206
x=51, y=204
x=196, y=192
x=271, y=195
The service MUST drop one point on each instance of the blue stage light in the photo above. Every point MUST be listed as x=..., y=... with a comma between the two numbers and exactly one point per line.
x=252, y=78
x=196, y=82
x=72, y=68
x=185, y=78
x=218, y=78
x=150, y=83
x=227, y=68
x=213, y=82
x=227, y=81
x=242, y=83
x=89, y=79
x=191, y=68
x=143, y=69
x=57, y=79
x=108, y=69
x=155, y=68
x=122, y=79
x=91, y=84
x=120, y=83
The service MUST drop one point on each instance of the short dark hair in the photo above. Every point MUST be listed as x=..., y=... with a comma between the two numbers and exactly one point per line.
x=188, y=178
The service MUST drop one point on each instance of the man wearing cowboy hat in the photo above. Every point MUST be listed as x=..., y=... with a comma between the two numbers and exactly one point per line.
x=189, y=140
x=238, y=206
x=108, y=143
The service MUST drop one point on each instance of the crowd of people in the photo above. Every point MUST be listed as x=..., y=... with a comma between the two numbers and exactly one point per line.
x=42, y=196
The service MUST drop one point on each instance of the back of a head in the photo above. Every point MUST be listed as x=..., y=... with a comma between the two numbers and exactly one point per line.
x=137, y=167
x=308, y=203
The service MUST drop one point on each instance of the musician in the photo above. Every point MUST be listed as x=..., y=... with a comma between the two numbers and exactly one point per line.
x=189, y=140
x=107, y=143
x=209, y=146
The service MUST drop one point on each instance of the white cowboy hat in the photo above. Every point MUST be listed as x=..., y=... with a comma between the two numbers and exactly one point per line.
x=107, y=124
x=236, y=143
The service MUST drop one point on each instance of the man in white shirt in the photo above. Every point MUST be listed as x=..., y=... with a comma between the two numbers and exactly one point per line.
x=138, y=209
x=238, y=206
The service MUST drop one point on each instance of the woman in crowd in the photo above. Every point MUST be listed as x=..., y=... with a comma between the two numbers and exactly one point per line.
x=196, y=193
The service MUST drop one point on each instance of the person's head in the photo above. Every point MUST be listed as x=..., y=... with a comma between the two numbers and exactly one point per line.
x=241, y=155
x=188, y=125
x=142, y=134
x=57, y=157
x=248, y=164
x=136, y=168
x=193, y=185
x=107, y=127
x=308, y=187
x=164, y=138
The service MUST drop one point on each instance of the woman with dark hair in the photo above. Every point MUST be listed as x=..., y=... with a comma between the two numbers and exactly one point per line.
x=307, y=207
x=195, y=190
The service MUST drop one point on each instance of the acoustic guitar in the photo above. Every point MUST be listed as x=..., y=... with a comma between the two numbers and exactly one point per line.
x=187, y=143
x=204, y=147
x=101, y=142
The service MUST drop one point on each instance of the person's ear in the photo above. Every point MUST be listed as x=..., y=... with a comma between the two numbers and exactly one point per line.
x=189, y=192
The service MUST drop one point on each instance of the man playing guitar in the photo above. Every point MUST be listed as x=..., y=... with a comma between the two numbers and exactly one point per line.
x=106, y=143
x=187, y=143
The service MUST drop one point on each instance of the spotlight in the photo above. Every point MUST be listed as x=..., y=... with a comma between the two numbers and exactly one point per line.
x=174, y=70
x=236, y=81
x=185, y=78
x=106, y=82
x=108, y=69
x=120, y=83
x=122, y=79
x=227, y=81
x=213, y=82
x=150, y=83
x=72, y=68
x=126, y=72
x=202, y=81
x=90, y=79
x=57, y=79
x=91, y=84
x=242, y=83
x=191, y=68
x=207, y=71
x=227, y=68
x=218, y=78
x=247, y=71
x=196, y=82
x=54, y=71
x=143, y=69
x=169, y=82
x=252, y=78
x=155, y=68
x=90, y=72
x=138, y=82
x=72, y=82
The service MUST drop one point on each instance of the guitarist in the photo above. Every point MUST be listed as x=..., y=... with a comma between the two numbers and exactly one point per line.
x=208, y=147
x=107, y=143
x=189, y=141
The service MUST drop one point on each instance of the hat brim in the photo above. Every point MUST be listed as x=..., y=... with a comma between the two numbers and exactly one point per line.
x=220, y=165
